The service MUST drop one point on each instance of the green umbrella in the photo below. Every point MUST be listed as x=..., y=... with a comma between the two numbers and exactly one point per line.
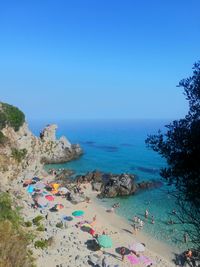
x=104, y=241
x=78, y=213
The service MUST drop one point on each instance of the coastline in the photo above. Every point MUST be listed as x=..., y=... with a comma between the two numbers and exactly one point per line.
x=70, y=243
x=121, y=224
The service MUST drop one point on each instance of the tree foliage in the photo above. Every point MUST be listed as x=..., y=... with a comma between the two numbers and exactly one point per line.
x=180, y=146
x=11, y=116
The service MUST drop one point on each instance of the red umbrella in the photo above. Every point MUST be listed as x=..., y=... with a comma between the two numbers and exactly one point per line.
x=59, y=206
x=49, y=197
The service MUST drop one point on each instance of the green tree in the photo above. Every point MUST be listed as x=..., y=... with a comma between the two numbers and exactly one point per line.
x=180, y=146
x=11, y=116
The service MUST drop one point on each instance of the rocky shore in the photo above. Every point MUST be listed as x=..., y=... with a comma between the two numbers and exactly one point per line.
x=68, y=244
x=23, y=153
x=22, y=157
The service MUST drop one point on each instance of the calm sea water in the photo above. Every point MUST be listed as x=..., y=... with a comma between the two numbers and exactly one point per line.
x=119, y=147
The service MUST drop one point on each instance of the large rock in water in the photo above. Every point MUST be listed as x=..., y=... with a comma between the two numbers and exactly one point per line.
x=114, y=185
x=119, y=185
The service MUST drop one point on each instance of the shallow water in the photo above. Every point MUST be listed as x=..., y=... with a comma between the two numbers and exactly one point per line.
x=118, y=147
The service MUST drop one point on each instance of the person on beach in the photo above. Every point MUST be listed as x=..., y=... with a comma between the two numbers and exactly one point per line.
x=188, y=254
x=146, y=214
x=110, y=210
x=135, y=219
x=141, y=224
x=134, y=229
x=122, y=252
x=116, y=205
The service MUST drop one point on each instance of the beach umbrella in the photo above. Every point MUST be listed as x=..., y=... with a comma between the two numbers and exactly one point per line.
x=64, y=190
x=86, y=227
x=40, y=185
x=105, y=241
x=42, y=201
x=78, y=213
x=59, y=206
x=36, y=179
x=49, y=197
x=30, y=189
x=137, y=247
x=27, y=181
x=133, y=259
x=67, y=218
x=55, y=186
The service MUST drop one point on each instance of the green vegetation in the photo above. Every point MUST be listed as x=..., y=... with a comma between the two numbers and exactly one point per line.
x=59, y=225
x=6, y=211
x=13, y=241
x=180, y=146
x=43, y=243
x=19, y=154
x=11, y=116
x=41, y=228
x=37, y=219
x=28, y=224
x=3, y=138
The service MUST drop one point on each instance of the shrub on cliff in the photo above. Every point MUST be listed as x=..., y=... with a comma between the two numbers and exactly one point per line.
x=3, y=138
x=11, y=116
x=13, y=241
x=19, y=154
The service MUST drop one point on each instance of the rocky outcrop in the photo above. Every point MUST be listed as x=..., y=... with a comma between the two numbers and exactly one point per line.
x=24, y=154
x=112, y=185
x=119, y=185
x=57, y=150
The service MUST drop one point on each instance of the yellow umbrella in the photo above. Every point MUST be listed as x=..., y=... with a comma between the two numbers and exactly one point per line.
x=55, y=186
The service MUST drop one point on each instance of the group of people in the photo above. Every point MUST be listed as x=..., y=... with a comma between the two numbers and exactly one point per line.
x=138, y=223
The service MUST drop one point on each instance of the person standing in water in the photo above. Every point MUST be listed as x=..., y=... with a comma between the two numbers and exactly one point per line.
x=185, y=237
x=146, y=213
x=152, y=220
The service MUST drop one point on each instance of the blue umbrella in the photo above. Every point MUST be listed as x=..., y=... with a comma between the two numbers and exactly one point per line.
x=30, y=189
x=78, y=213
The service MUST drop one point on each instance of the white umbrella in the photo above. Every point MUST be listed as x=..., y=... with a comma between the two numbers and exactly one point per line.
x=40, y=185
x=63, y=190
x=137, y=247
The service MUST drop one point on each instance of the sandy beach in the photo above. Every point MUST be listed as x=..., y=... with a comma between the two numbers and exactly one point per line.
x=70, y=244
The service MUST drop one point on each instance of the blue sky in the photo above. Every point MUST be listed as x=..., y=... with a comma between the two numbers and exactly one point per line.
x=97, y=59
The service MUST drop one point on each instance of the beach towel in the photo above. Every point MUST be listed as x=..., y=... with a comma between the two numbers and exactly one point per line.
x=133, y=259
x=145, y=260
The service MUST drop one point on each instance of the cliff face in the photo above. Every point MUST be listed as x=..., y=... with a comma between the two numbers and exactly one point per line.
x=23, y=153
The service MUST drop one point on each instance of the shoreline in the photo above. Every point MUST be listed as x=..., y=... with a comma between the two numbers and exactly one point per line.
x=71, y=242
x=144, y=235
x=119, y=222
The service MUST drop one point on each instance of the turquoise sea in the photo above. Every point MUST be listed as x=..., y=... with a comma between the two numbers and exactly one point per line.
x=118, y=146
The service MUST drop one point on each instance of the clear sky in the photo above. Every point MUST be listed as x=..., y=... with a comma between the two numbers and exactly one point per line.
x=97, y=59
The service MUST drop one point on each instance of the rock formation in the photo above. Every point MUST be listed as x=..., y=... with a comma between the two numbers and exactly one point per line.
x=112, y=185
x=23, y=153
